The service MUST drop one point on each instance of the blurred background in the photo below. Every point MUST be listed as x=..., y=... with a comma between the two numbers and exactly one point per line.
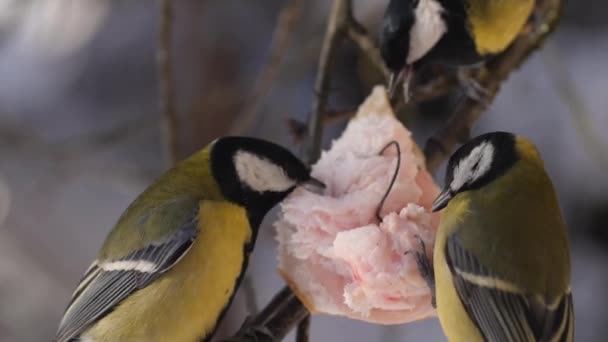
x=80, y=134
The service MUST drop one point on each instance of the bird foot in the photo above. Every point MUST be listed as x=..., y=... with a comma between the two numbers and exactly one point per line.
x=253, y=333
x=425, y=268
x=472, y=88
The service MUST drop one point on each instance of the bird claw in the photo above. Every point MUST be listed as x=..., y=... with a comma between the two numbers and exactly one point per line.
x=425, y=268
x=253, y=333
x=472, y=88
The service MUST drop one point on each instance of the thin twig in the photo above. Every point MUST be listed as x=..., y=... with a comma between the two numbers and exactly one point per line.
x=251, y=302
x=284, y=29
x=339, y=17
x=490, y=77
x=169, y=120
x=279, y=301
x=5, y=201
x=298, y=129
x=274, y=322
x=291, y=313
x=359, y=35
x=303, y=332
x=438, y=86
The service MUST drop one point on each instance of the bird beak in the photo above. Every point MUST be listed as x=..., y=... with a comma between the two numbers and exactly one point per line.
x=442, y=200
x=395, y=79
x=313, y=185
x=400, y=78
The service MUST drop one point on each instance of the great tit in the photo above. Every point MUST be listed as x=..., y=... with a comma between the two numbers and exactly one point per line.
x=501, y=259
x=170, y=267
x=415, y=33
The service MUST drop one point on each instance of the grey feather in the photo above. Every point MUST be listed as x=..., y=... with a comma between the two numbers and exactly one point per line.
x=502, y=315
x=100, y=291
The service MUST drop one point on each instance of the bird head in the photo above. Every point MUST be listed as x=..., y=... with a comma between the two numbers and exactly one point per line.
x=257, y=174
x=477, y=163
x=410, y=29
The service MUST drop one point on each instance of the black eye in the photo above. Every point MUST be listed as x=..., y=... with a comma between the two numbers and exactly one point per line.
x=415, y=3
x=475, y=166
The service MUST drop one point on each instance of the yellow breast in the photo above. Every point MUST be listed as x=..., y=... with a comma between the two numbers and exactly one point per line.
x=185, y=303
x=453, y=316
x=496, y=23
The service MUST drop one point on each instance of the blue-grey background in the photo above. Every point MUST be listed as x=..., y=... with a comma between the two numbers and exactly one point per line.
x=80, y=137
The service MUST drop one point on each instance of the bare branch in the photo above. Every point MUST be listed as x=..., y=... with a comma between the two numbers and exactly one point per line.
x=5, y=201
x=286, y=21
x=438, y=86
x=297, y=128
x=359, y=35
x=490, y=77
x=169, y=120
x=251, y=302
x=339, y=18
x=303, y=332
x=275, y=321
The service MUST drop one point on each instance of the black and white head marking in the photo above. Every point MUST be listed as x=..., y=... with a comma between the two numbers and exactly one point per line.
x=410, y=29
x=255, y=173
x=472, y=167
x=477, y=163
x=480, y=160
x=427, y=29
x=260, y=174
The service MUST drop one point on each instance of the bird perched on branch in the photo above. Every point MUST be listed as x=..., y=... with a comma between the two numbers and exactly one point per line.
x=501, y=259
x=453, y=32
x=171, y=265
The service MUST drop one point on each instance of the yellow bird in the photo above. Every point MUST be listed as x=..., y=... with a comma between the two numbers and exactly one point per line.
x=501, y=259
x=453, y=32
x=170, y=267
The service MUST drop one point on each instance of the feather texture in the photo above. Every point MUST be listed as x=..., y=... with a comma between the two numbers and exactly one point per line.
x=502, y=311
x=108, y=283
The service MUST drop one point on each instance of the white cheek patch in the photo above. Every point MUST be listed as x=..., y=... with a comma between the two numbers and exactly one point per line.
x=428, y=28
x=466, y=171
x=260, y=174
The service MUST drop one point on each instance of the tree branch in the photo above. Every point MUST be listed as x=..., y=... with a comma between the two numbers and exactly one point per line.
x=438, y=86
x=359, y=35
x=457, y=129
x=286, y=21
x=169, y=120
x=275, y=321
x=298, y=129
x=302, y=334
x=338, y=20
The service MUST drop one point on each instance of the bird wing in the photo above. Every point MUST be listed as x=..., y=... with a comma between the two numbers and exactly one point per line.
x=501, y=311
x=107, y=283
